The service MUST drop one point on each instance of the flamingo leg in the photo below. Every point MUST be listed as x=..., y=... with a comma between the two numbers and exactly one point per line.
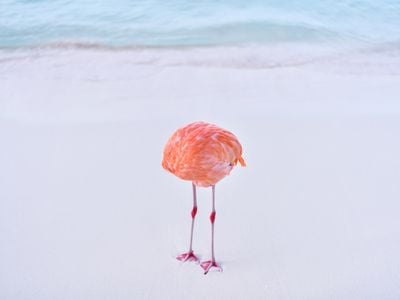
x=207, y=265
x=189, y=256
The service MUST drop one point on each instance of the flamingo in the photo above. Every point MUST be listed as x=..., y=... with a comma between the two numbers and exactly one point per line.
x=204, y=154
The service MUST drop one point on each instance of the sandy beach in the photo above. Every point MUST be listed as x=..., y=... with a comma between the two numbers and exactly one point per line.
x=87, y=212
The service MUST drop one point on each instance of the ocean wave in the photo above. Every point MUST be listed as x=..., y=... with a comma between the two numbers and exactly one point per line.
x=179, y=23
x=210, y=35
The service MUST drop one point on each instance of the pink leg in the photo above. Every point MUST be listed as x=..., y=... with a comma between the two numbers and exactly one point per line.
x=189, y=256
x=207, y=265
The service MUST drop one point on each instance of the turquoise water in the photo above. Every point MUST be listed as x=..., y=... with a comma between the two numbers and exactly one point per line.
x=193, y=23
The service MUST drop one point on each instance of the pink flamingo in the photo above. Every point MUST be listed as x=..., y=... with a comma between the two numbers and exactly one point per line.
x=204, y=154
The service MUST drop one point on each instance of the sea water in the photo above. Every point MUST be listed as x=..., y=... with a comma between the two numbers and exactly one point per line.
x=360, y=36
x=54, y=53
x=166, y=23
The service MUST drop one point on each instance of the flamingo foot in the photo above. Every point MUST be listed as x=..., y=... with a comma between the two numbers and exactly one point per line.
x=207, y=265
x=188, y=256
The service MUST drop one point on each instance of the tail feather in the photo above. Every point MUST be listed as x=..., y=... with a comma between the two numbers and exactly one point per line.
x=242, y=162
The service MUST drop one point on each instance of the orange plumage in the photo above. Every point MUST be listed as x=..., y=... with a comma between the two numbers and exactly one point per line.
x=202, y=153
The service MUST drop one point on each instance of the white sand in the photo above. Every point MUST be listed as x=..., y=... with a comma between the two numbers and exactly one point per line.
x=87, y=212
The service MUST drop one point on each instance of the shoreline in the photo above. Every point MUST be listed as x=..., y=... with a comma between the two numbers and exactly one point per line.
x=276, y=56
x=78, y=85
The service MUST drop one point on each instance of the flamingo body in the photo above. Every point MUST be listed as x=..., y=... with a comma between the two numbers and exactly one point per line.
x=202, y=153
